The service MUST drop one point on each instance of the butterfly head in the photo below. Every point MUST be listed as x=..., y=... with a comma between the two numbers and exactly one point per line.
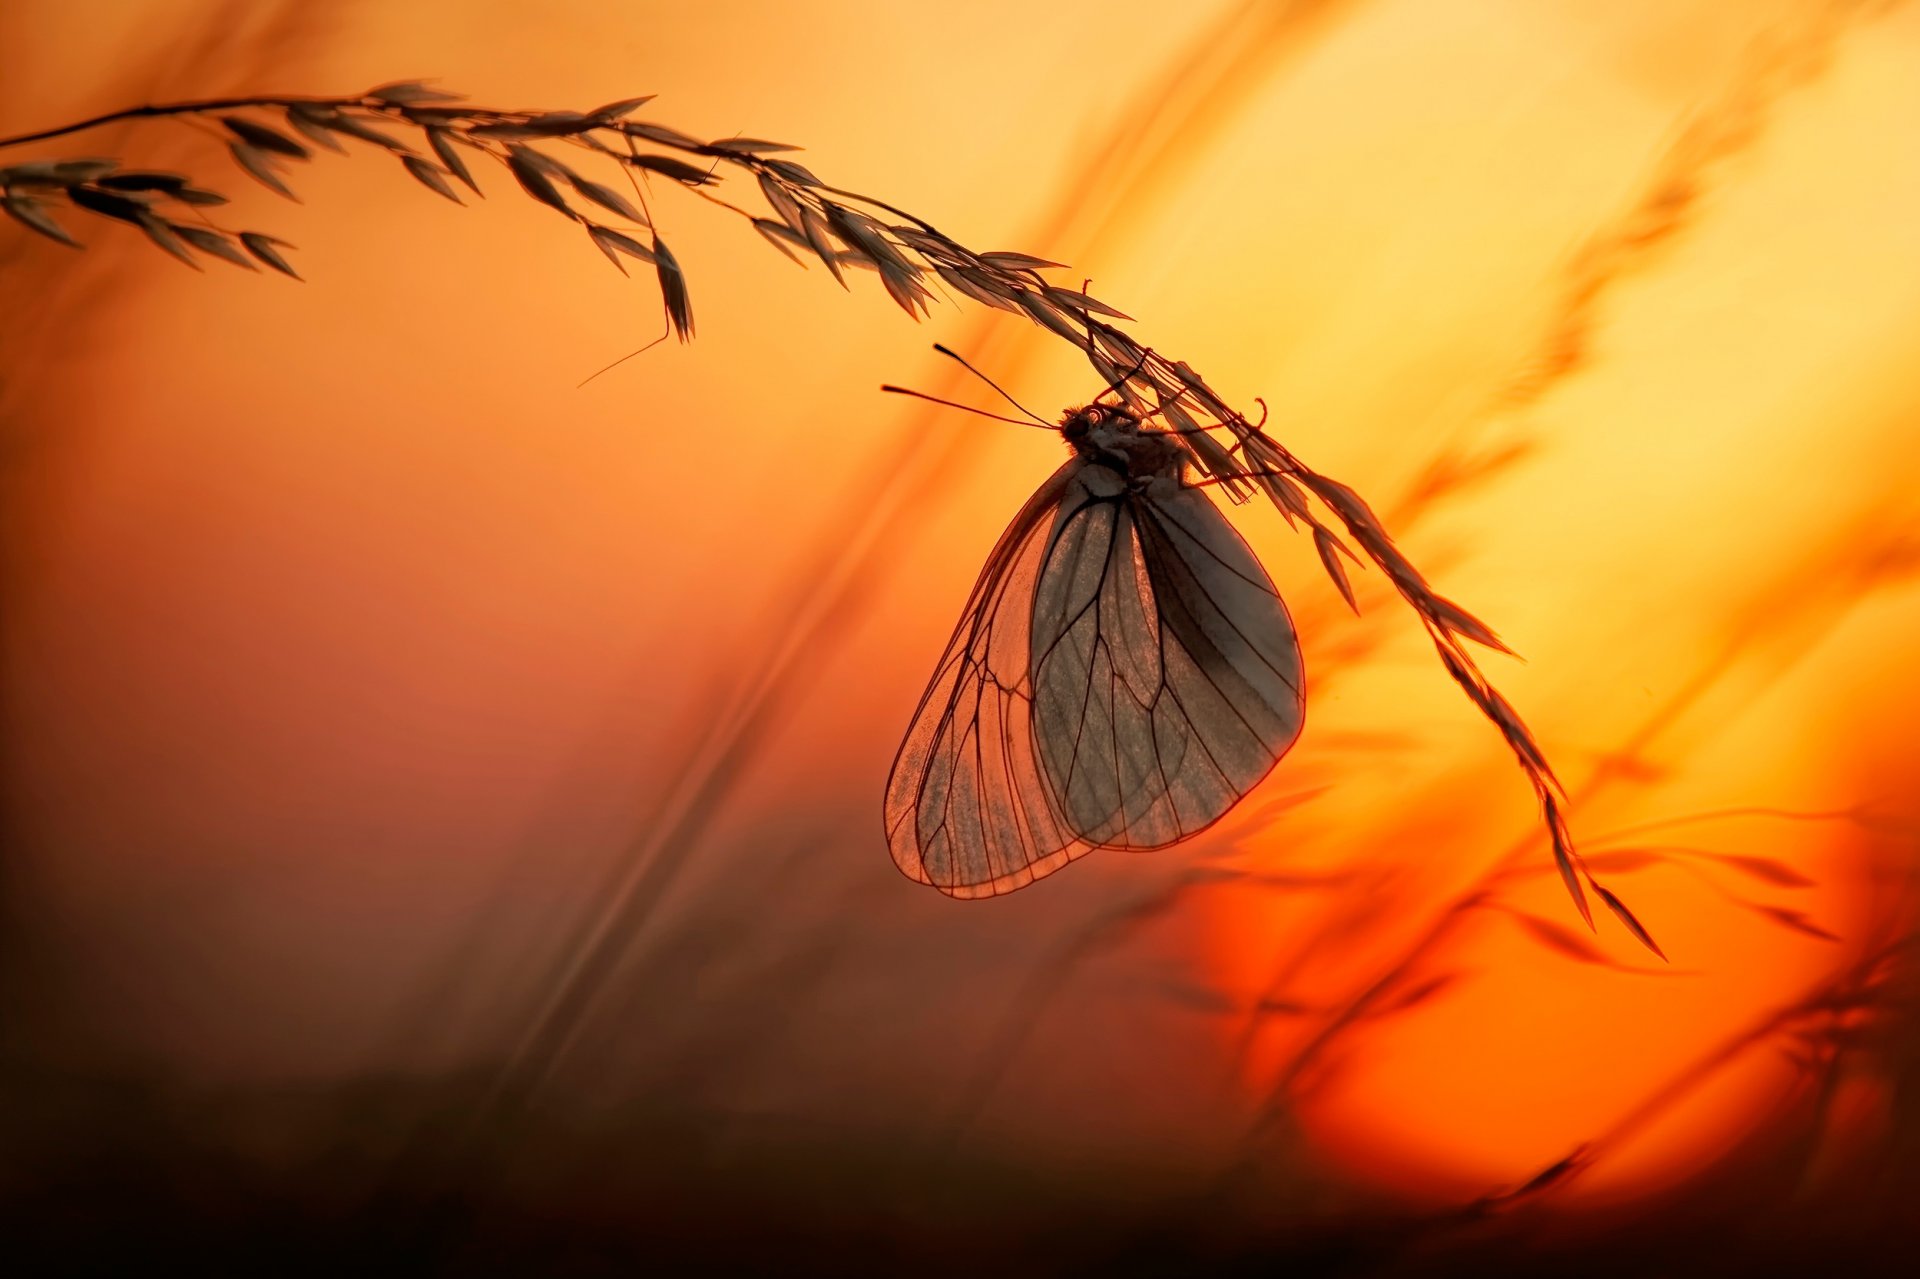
x=1112, y=435
x=1078, y=425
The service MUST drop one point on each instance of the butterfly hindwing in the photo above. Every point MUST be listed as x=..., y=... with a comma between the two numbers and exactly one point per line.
x=1165, y=672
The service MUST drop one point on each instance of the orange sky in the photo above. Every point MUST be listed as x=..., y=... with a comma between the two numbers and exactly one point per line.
x=350, y=647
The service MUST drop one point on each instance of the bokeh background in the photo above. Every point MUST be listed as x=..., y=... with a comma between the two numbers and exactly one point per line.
x=441, y=803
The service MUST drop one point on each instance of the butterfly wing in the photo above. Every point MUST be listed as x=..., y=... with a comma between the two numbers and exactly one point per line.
x=1165, y=672
x=967, y=810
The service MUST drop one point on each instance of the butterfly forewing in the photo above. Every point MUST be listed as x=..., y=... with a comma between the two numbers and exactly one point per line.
x=967, y=809
x=1123, y=673
x=1165, y=672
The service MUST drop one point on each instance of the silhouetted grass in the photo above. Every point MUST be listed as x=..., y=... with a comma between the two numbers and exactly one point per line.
x=843, y=230
x=487, y=1171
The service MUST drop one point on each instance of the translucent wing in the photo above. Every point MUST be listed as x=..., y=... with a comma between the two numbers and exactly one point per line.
x=1165, y=672
x=967, y=810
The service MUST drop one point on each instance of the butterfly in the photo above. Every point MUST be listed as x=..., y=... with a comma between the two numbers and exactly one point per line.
x=1124, y=671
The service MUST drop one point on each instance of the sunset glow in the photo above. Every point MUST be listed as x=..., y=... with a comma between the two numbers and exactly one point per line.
x=356, y=660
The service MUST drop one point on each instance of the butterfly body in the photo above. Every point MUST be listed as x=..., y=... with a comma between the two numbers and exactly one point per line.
x=1123, y=673
x=1113, y=438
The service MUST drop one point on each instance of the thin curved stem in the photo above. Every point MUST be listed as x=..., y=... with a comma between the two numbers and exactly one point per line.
x=198, y=107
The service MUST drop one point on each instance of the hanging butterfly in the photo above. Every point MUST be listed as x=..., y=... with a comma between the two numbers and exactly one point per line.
x=1123, y=673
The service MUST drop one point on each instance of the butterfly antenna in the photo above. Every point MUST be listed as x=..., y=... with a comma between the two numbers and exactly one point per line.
x=954, y=355
x=952, y=404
